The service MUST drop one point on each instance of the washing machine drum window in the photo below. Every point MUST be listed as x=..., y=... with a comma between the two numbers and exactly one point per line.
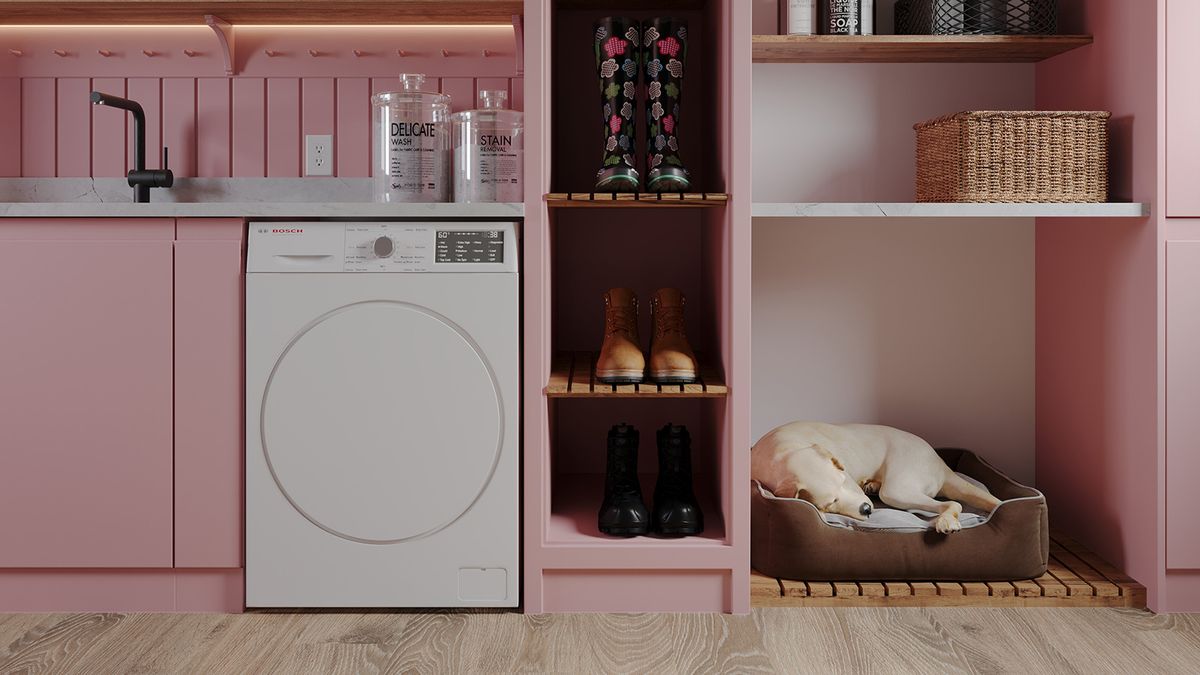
x=382, y=422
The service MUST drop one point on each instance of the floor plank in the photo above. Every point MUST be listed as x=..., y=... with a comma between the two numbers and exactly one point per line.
x=810, y=640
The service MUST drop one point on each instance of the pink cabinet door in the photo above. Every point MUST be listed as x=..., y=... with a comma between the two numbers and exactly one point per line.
x=85, y=394
x=208, y=393
x=1183, y=109
x=1183, y=404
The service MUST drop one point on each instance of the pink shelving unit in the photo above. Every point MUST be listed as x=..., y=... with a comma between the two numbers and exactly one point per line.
x=572, y=255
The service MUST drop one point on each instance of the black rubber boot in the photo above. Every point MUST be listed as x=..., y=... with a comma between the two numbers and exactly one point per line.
x=664, y=53
x=624, y=512
x=616, y=41
x=676, y=511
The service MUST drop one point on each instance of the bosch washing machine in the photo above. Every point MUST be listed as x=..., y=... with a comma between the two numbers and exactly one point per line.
x=382, y=417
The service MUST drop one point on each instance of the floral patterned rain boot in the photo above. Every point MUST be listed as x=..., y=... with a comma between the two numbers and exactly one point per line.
x=616, y=43
x=664, y=51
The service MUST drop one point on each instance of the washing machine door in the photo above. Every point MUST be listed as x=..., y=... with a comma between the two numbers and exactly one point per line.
x=382, y=422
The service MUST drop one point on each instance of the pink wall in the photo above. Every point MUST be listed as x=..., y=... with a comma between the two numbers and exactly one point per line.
x=250, y=125
x=1099, y=453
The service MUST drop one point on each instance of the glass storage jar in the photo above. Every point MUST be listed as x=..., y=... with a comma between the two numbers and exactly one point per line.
x=489, y=153
x=412, y=143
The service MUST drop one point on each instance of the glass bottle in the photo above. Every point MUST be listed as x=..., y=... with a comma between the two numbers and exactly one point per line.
x=489, y=151
x=412, y=143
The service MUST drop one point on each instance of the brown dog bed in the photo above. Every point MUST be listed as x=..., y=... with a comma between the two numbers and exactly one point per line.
x=791, y=539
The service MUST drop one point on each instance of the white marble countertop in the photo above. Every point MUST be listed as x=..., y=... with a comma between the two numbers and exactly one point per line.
x=926, y=210
x=223, y=198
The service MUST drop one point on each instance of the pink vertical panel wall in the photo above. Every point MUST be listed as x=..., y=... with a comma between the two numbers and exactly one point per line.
x=38, y=132
x=249, y=121
x=353, y=115
x=283, y=127
x=213, y=131
x=109, y=145
x=74, y=126
x=213, y=126
x=10, y=127
x=179, y=125
x=148, y=92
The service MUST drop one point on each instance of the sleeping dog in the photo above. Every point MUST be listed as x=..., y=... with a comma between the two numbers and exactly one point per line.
x=834, y=466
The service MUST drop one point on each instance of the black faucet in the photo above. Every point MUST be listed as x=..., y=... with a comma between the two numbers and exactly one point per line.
x=141, y=179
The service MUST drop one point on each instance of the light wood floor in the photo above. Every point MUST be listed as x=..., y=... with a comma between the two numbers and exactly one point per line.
x=816, y=640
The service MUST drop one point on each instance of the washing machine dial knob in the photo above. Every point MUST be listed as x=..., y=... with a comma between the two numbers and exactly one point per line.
x=384, y=247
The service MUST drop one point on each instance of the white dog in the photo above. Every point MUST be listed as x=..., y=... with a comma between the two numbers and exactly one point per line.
x=835, y=465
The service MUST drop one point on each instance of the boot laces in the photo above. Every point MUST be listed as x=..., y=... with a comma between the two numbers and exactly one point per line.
x=621, y=320
x=668, y=320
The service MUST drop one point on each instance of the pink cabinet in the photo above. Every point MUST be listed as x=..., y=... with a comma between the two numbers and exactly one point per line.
x=1183, y=109
x=208, y=393
x=1183, y=404
x=85, y=393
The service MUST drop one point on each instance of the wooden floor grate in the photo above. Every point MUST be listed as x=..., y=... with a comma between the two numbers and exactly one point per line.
x=1076, y=578
x=635, y=199
x=573, y=375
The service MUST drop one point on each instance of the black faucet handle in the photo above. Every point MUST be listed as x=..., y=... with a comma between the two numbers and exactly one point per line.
x=164, y=163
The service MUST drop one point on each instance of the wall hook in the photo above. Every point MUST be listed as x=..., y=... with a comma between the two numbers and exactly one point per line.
x=150, y=52
x=401, y=52
x=314, y=52
x=271, y=52
x=487, y=53
x=359, y=53
x=60, y=52
x=445, y=53
x=190, y=53
x=104, y=52
x=16, y=52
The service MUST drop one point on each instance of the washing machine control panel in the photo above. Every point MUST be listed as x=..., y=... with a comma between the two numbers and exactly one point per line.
x=382, y=247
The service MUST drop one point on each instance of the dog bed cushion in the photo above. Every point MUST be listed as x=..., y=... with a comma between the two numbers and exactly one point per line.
x=792, y=539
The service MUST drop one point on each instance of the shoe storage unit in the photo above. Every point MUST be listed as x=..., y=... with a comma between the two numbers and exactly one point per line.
x=583, y=243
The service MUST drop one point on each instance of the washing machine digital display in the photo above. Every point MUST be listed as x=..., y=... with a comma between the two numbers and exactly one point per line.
x=470, y=246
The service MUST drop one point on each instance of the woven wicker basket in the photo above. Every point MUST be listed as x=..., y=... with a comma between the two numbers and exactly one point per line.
x=1013, y=156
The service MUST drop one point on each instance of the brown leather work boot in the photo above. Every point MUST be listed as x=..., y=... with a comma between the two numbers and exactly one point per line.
x=621, y=360
x=671, y=358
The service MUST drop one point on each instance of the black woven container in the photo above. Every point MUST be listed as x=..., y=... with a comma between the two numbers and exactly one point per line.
x=976, y=17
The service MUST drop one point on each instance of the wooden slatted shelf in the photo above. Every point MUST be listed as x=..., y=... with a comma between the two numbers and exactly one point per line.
x=913, y=48
x=1075, y=577
x=370, y=12
x=635, y=199
x=573, y=375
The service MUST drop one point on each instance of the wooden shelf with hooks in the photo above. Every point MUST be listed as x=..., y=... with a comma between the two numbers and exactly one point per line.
x=369, y=12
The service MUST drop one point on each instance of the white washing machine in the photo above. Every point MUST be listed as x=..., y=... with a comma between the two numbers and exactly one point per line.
x=382, y=374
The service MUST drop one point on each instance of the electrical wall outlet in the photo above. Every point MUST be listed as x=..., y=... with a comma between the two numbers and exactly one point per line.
x=318, y=155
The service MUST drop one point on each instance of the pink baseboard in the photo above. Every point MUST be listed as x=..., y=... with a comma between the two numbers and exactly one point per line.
x=71, y=590
x=657, y=590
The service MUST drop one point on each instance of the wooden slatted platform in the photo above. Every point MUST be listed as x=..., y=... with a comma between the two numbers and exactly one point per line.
x=1076, y=578
x=635, y=199
x=573, y=375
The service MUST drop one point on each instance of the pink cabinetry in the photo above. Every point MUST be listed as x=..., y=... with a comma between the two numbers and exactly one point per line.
x=120, y=430
x=1183, y=109
x=85, y=405
x=1183, y=402
x=208, y=394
